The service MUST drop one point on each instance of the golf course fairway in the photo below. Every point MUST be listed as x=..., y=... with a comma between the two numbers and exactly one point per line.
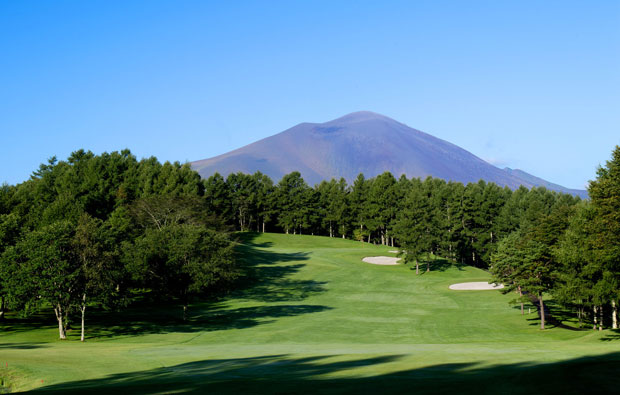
x=317, y=319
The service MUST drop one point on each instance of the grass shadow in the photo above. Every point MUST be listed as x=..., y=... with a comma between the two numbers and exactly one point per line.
x=267, y=273
x=267, y=278
x=437, y=265
x=13, y=323
x=613, y=336
x=21, y=346
x=284, y=374
x=203, y=317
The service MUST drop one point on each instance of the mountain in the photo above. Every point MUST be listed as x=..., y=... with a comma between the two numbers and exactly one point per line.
x=364, y=142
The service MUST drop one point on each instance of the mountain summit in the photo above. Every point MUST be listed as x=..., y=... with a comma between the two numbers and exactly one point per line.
x=364, y=142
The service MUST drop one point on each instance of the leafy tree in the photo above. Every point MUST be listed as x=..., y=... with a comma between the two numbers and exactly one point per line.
x=507, y=265
x=180, y=260
x=525, y=265
x=577, y=268
x=45, y=271
x=96, y=264
x=9, y=234
x=181, y=252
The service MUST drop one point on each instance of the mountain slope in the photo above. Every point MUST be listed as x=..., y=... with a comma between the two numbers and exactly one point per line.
x=362, y=142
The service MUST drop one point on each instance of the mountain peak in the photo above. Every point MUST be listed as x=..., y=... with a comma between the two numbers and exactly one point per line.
x=360, y=116
x=363, y=142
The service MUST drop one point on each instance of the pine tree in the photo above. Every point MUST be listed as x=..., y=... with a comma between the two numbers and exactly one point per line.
x=605, y=197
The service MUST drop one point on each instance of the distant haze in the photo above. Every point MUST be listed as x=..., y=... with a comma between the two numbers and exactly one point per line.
x=368, y=143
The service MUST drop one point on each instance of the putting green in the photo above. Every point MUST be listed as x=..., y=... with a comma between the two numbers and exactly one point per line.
x=319, y=320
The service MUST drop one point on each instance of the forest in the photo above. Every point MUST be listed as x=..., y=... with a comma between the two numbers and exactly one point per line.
x=106, y=229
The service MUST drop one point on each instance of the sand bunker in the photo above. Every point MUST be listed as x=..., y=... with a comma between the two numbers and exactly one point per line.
x=475, y=286
x=393, y=251
x=381, y=260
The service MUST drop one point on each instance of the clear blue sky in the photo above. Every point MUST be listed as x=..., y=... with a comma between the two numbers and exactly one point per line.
x=530, y=85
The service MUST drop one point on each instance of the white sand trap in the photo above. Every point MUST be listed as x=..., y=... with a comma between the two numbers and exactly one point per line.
x=393, y=251
x=381, y=260
x=475, y=286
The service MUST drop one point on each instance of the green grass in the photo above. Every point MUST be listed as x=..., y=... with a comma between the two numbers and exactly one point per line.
x=319, y=320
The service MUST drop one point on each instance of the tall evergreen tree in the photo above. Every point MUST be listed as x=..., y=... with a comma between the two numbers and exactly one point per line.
x=294, y=198
x=358, y=199
x=412, y=229
x=605, y=197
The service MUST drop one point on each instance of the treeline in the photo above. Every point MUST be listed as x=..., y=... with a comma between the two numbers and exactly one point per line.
x=574, y=256
x=460, y=222
x=98, y=229
x=101, y=229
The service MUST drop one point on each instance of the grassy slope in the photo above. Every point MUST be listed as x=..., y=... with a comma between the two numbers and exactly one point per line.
x=320, y=320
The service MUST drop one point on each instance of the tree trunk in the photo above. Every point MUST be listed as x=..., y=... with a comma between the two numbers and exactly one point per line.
x=392, y=240
x=61, y=322
x=331, y=233
x=1, y=308
x=595, y=317
x=428, y=265
x=542, y=312
x=83, y=308
x=520, y=296
x=263, y=226
x=417, y=267
x=600, y=318
x=185, y=311
x=614, y=314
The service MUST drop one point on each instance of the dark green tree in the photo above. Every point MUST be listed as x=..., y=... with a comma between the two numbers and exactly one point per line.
x=604, y=194
x=412, y=228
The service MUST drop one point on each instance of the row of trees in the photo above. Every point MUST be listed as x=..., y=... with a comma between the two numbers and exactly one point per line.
x=573, y=256
x=98, y=229
x=460, y=222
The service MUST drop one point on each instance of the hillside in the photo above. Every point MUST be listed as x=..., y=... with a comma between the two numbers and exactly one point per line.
x=364, y=142
x=317, y=319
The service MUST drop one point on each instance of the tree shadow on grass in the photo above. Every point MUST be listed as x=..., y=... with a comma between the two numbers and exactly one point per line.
x=266, y=278
x=285, y=374
x=556, y=316
x=437, y=265
x=21, y=346
x=613, y=336
x=15, y=324
x=266, y=273
x=202, y=318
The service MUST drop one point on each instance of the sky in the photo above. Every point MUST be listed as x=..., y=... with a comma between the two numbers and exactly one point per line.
x=524, y=84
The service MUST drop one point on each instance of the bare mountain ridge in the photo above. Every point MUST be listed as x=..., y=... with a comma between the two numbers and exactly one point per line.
x=368, y=143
